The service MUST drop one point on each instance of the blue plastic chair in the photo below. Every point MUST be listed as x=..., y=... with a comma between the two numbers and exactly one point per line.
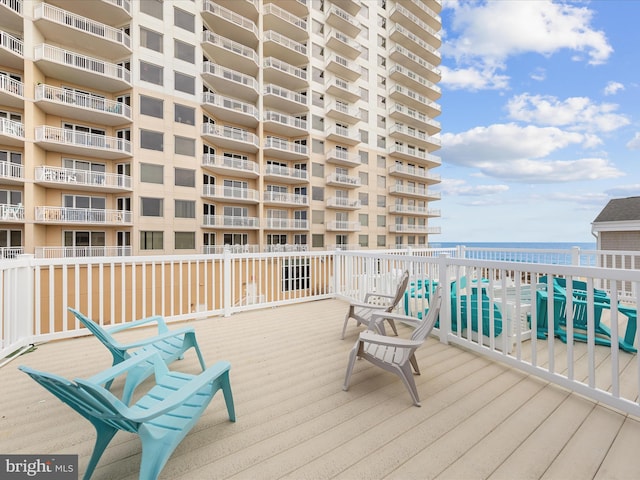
x=161, y=418
x=464, y=301
x=170, y=344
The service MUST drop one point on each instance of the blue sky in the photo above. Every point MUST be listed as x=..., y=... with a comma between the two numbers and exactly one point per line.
x=540, y=117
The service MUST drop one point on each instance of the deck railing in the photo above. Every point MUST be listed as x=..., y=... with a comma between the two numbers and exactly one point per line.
x=35, y=294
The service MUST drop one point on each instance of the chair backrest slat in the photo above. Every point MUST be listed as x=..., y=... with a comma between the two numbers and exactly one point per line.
x=425, y=327
x=402, y=287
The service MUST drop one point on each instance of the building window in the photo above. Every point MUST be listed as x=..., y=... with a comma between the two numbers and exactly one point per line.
x=184, y=20
x=317, y=217
x=150, y=39
x=184, y=51
x=151, y=207
x=150, y=173
x=317, y=146
x=382, y=201
x=184, y=146
x=185, y=209
x=363, y=218
x=151, y=106
x=185, y=177
x=152, y=140
x=363, y=240
x=382, y=220
x=152, y=7
x=317, y=170
x=151, y=240
x=381, y=240
x=185, y=240
x=317, y=193
x=364, y=178
x=184, y=114
x=317, y=240
x=381, y=161
x=7, y=156
x=364, y=198
x=184, y=83
x=151, y=73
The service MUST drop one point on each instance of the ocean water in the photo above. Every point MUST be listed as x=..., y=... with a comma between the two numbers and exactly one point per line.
x=526, y=245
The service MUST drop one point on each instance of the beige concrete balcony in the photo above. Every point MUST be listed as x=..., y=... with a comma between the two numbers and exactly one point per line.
x=342, y=67
x=414, y=100
x=415, y=192
x=343, y=44
x=81, y=143
x=340, y=88
x=11, y=15
x=415, y=44
x=230, y=165
x=230, y=53
x=83, y=216
x=277, y=45
x=233, y=194
x=80, y=69
x=414, y=173
x=343, y=203
x=11, y=92
x=11, y=212
x=233, y=138
x=413, y=210
x=76, y=179
x=230, y=82
x=232, y=110
x=81, y=106
x=285, y=174
x=412, y=154
x=11, y=133
x=64, y=27
x=111, y=12
x=403, y=133
x=11, y=252
x=12, y=173
x=413, y=229
x=284, y=99
x=425, y=13
x=285, y=22
x=342, y=226
x=284, y=149
x=230, y=221
x=280, y=198
x=11, y=51
x=284, y=74
x=343, y=21
x=400, y=14
x=235, y=26
x=219, y=249
x=416, y=118
x=245, y=8
x=286, y=224
x=343, y=158
x=82, y=252
x=343, y=135
x=283, y=124
x=342, y=180
x=299, y=8
x=407, y=58
x=412, y=80
x=342, y=112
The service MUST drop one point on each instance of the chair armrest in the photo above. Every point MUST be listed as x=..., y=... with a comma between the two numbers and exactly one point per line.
x=367, y=305
x=381, y=295
x=370, y=337
x=131, y=362
x=377, y=317
x=157, y=338
x=162, y=326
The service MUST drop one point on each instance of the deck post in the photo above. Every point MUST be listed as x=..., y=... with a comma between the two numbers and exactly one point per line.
x=445, y=306
x=226, y=281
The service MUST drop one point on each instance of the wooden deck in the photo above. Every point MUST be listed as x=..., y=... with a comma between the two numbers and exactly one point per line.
x=478, y=419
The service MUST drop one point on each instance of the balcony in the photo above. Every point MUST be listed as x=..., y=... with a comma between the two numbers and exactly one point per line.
x=279, y=46
x=284, y=149
x=343, y=45
x=230, y=166
x=79, y=69
x=343, y=226
x=230, y=221
x=76, y=179
x=414, y=192
x=281, y=73
x=343, y=21
x=412, y=80
x=343, y=203
x=289, y=199
x=232, y=249
x=400, y=14
x=11, y=133
x=288, y=24
x=299, y=8
x=398, y=209
x=80, y=143
x=342, y=67
x=11, y=51
x=284, y=100
x=83, y=252
x=342, y=89
x=12, y=173
x=416, y=118
x=233, y=194
x=282, y=174
x=413, y=229
x=11, y=213
x=235, y=26
x=64, y=27
x=11, y=15
x=407, y=58
x=230, y=82
x=424, y=13
x=343, y=181
x=286, y=224
x=282, y=124
x=342, y=112
x=230, y=53
x=232, y=138
x=112, y=12
x=11, y=92
x=412, y=154
x=413, y=173
x=414, y=137
x=410, y=98
x=415, y=44
x=245, y=8
x=286, y=247
x=82, y=216
x=232, y=110
x=343, y=158
x=81, y=106
x=348, y=136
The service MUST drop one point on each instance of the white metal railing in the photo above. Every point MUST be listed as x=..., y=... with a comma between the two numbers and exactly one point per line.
x=279, y=170
x=233, y=221
x=10, y=252
x=335, y=10
x=222, y=161
x=343, y=179
x=231, y=75
x=15, y=5
x=45, y=133
x=412, y=228
x=232, y=133
x=416, y=20
x=345, y=132
x=343, y=156
x=11, y=128
x=282, y=119
x=418, y=154
x=55, y=214
x=343, y=202
x=343, y=225
x=414, y=38
x=415, y=77
x=285, y=93
x=221, y=191
x=233, y=249
x=288, y=198
x=285, y=145
x=10, y=85
x=11, y=170
x=230, y=104
x=85, y=101
x=286, y=42
x=272, y=62
x=209, y=37
x=82, y=177
x=419, y=116
x=11, y=43
x=124, y=4
x=79, y=252
x=414, y=171
x=413, y=209
x=286, y=247
x=9, y=211
x=410, y=190
x=231, y=16
x=273, y=9
x=286, y=223
x=416, y=59
x=416, y=135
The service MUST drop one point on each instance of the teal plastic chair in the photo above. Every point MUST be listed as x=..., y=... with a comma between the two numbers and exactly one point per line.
x=464, y=301
x=161, y=418
x=170, y=344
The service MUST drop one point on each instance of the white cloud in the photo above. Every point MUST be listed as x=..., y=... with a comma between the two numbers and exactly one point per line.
x=460, y=187
x=512, y=152
x=634, y=143
x=473, y=79
x=578, y=113
x=613, y=87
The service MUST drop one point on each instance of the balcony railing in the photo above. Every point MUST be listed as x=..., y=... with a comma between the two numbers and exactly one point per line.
x=230, y=104
x=11, y=252
x=231, y=133
x=11, y=43
x=414, y=135
x=285, y=198
x=52, y=214
x=12, y=86
x=230, y=75
x=10, y=211
x=285, y=93
x=414, y=191
x=232, y=249
x=45, y=133
x=15, y=5
x=230, y=221
x=284, y=67
x=11, y=128
x=231, y=163
x=411, y=171
x=235, y=193
x=13, y=171
x=286, y=224
x=343, y=202
x=406, y=151
x=286, y=42
x=285, y=120
x=286, y=247
x=343, y=157
x=339, y=225
x=82, y=252
x=413, y=210
x=84, y=101
x=280, y=171
x=231, y=46
x=273, y=9
x=413, y=76
x=286, y=146
x=230, y=16
x=86, y=178
x=417, y=229
x=342, y=179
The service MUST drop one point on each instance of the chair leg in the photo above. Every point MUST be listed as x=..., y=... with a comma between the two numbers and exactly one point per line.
x=346, y=320
x=352, y=359
x=414, y=364
x=104, y=434
x=228, y=397
x=406, y=375
x=393, y=326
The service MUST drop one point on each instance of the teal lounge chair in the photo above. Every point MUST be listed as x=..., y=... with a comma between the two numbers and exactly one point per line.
x=161, y=418
x=463, y=316
x=170, y=344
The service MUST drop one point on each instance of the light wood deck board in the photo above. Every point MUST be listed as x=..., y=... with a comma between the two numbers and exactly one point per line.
x=479, y=419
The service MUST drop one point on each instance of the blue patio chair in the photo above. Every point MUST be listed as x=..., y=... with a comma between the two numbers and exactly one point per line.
x=421, y=288
x=161, y=418
x=170, y=344
x=471, y=301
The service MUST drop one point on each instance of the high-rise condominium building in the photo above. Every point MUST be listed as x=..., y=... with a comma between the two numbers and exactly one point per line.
x=181, y=126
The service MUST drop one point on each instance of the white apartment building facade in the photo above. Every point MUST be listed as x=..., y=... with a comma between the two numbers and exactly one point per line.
x=181, y=126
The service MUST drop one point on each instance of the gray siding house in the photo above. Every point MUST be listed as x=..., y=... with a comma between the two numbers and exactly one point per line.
x=617, y=227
